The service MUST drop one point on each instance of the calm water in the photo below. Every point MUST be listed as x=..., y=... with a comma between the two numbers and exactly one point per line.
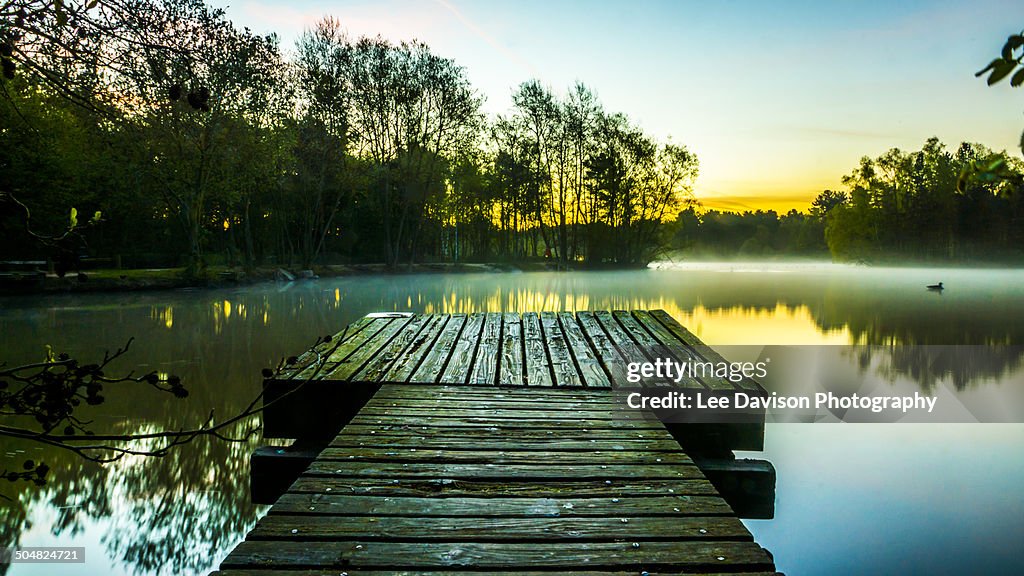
x=851, y=499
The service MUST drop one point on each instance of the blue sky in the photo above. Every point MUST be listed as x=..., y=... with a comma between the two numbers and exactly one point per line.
x=778, y=99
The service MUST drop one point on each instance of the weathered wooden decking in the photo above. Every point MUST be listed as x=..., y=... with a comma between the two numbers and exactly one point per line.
x=495, y=443
x=432, y=479
x=586, y=349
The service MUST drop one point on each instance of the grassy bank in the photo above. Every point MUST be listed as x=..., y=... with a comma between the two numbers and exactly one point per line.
x=110, y=279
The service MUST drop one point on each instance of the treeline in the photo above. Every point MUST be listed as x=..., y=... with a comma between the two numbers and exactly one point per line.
x=750, y=234
x=195, y=140
x=927, y=205
x=931, y=204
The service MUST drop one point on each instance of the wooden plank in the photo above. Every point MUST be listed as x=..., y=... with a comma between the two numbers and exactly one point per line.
x=406, y=363
x=538, y=365
x=628, y=349
x=494, y=436
x=344, y=369
x=607, y=354
x=646, y=344
x=483, y=402
x=507, y=424
x=461, y=401
x=534, y=442
x=511, y=368
x=485, y=363
x=351, y=345
x=498, y=413
x=457, y=370
x=530, y=488
x=357, y=554
x=676, y=506
x=341, y=348
x=323, y=351
x=701, y=349
x=378, y=365
x=393, y=471
x=549, y=527
x=430, y=369
x=679, y=351
x=562, y=363
x=415, y=390
x=599, y=454
x=593, y=374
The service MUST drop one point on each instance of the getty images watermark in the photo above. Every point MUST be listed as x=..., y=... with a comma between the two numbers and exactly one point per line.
x=849, y=383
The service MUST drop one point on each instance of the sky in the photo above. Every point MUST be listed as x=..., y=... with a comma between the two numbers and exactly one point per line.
x=778, y=100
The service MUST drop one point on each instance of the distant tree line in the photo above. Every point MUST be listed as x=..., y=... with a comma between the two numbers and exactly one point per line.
x=750, y=234
x=197, y=140
x=919, y=205
x=927, y=205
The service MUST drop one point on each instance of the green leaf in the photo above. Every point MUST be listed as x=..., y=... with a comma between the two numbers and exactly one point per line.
x=74, y=217
x=96, y=217
x=1001, y=71
x=1012, y=43
x=990, y=66
x=1018, y=78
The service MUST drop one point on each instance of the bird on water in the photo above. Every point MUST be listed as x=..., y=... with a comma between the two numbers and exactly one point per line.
x=936, y=287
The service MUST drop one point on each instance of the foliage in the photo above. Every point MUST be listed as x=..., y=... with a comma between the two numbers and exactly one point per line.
x=918, y=205
x=1010, y=57
x=199, y=140
x=751, y=234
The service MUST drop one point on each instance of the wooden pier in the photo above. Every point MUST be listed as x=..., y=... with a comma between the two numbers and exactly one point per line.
x=495, y=443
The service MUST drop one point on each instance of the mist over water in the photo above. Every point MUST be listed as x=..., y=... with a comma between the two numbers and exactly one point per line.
x=850, y=498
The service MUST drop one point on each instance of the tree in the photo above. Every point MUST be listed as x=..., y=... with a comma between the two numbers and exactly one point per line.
x=538, y=113
x=198, y=100
x=413, y=114
x=321, y=175
x=826, y=201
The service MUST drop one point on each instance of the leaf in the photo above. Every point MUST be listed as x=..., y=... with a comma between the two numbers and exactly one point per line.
x=74, y=217
x=96, y=217
x=1018, y=78
x=1012, y=43
x=990, y=66
x=1001, y=71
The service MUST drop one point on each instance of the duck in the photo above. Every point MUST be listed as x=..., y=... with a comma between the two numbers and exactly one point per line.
x=937, y=287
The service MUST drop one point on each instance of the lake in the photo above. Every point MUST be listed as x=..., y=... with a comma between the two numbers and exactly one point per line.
x=851, y=498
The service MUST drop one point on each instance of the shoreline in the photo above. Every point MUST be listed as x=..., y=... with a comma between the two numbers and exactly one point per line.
x=136, y=280
x=36, y=283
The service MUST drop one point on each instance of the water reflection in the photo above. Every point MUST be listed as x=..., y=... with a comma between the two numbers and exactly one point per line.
x=180, y=514
x=928, y=366
x=158, y=515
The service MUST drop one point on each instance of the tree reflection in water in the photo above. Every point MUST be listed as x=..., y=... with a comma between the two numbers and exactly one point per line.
x=174, y=514
x=928, y=365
